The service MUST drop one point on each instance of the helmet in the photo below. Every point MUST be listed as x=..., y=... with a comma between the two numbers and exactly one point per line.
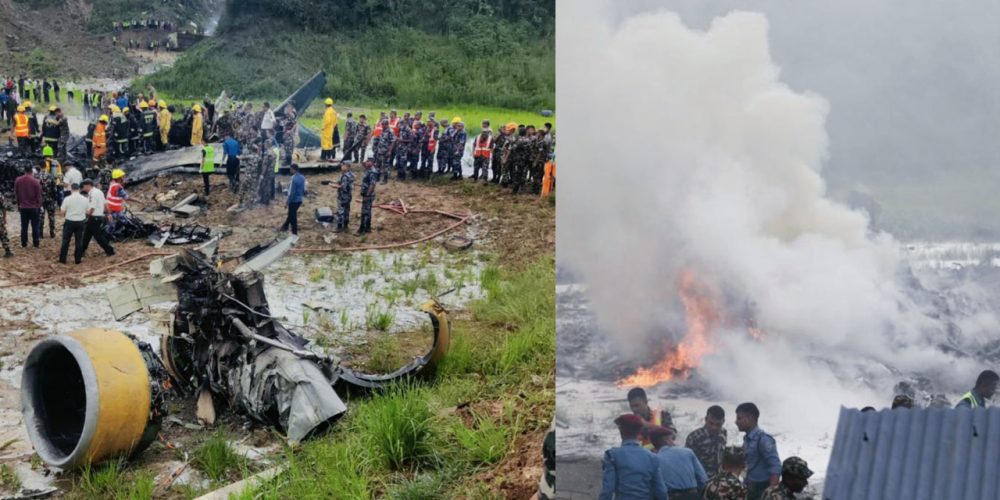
x=143, y=105
x=103, y=118
x=27, y=104
x=455, y=120
x=196, y=108
x=115, y=109
x=125, y=110
x=163, y=104
x=47, y=151
x=511, y=126
x=117, y=173
x=151, y=103
x=20, y=109
x=52, y=109
x=329, y=101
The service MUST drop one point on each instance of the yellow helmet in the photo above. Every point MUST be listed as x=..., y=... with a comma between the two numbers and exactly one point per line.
x=196, y=108
x=455, y=120
x=27, y=104
x=115, y=109
x=52, y=109
x=125, y=110
x=143, y=105
x=163, y=104
x=511, y=126
x=151, y=103
x=20, y=109
x=103, y=118
x=117, y=173
x=329, y=101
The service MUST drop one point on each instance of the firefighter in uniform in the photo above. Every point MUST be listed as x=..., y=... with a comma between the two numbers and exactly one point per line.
x=148, y=127
x=22, y=131
x=164, y=119
x=50, y=129
x=481, y=154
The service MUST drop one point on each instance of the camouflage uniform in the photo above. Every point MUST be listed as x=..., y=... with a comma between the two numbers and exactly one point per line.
x=707, y=448
x=779, y=492
x=444, y=149
x=792, y=466
x=266, y=187
x=359, y=143
x=4, y=240
x=383, y=153
x=63, y=139
x=403, y=148
x=350, y=132
x=50, y=202
x=367, y=199
x=291, y=130
x=426, y=155
x=414, y=153
x=520, y=153
x=539, y=155
x=725, y=486
x=457, y=152
x=547, y=484
x=250, y=179
x=499, y=145
x=344, y=195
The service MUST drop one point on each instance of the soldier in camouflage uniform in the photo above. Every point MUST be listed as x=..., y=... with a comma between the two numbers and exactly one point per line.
x=291, y=131
x=444, y=147
x=50, y=202
x=403, y=148
x=350, y=132
x=540, y=154
x=367, y=196
x=458, y=150
x=345, y=191
x=501, y=151
x=414, y=154
x=547, y=484
x=795, y=476
x=267, y=162
x=4, y=240
x=359, y=142
x=517, y=160
x=709, y=441
x=727, y=485
x=383, y=151
x=250, y=178
x=426, y=154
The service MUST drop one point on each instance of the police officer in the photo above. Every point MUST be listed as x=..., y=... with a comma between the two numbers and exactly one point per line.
x=726, y=485
x=763, y=464
x=631, y=471
x=795, y=475
x=986, y=386
x=345, y=190
x=4, y=239
x=367, y=197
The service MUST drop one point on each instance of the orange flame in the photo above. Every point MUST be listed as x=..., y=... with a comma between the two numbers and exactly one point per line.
x=702, y=317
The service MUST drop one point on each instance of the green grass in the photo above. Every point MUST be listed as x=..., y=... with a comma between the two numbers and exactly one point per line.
x=217, y=459
x=408, y=442
x=110, y=480
x=9, y=480
x=384, y=355
x=379, y=319
x=316, y=274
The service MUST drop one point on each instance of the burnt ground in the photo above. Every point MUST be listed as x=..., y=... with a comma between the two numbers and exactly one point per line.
x=517, y=230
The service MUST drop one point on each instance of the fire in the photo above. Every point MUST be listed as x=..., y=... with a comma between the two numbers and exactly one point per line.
x=702, y=317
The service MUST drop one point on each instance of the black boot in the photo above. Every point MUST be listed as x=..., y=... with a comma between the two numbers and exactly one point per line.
x=8, y=253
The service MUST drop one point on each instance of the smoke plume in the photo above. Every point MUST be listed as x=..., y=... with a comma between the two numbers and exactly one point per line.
x=684, y=151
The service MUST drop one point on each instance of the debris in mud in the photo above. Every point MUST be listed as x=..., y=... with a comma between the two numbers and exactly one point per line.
x=224, y=346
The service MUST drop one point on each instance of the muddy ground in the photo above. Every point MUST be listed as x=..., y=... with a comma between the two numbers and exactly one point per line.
x=510, y=230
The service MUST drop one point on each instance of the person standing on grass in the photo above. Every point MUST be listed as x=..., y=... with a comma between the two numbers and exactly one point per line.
x=345, y=191
x=28, y=195
x=74, y=209
x=296, y=193
x=367, y=197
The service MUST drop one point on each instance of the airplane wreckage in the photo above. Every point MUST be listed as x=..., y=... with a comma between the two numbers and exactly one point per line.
x=96, y=393
x=180, y=156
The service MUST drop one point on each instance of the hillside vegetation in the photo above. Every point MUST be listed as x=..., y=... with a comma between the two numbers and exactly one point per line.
x=383, y=52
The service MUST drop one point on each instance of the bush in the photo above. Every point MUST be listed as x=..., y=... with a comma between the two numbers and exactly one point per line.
x=217, y=459
x=397, y=428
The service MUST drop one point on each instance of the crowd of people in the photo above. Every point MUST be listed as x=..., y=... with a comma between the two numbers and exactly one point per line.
x=650, y=465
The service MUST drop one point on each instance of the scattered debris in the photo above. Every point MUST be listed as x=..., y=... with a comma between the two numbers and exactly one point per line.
x=456, y=243
x=324, y=214
x=238, y=487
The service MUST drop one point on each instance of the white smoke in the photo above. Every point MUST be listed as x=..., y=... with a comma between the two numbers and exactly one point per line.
x=683, y=149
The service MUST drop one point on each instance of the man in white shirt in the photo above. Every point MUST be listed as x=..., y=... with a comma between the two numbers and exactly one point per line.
x=74, y=209
x=94, y=227
x=267, y=120
x=72, y=176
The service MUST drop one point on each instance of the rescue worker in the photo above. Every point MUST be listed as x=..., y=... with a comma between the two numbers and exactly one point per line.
x=481, y=154
x=651, y=417
x=345, y=188
x=986, y=387
x=444, y=148
x=708, y=441
x=4, y=239
x=94, y=228
x=384, y=143
x=726, y=485
x=269, y=166
x=296, y=194
x=207, y=165
x=51, y=199
x=231, y=151
x=516, y=160
x=63, y=143
x=119, y=130
x=549, y=178
x=89, y=139
x=148, y=127
x=403, y=145
x=250, y=177
x=631, y=471
x=50, y=165
x=50, y=129
x=540, y=154
x=115, y=200
x=356, y=138
x=100, y=143
x=763, y=464
x=795, y=476
x=164, y=119
x=34, y=131
x=291, y=130
x=413, y=155
x=367, y=197
x=430, y=144
x=135, y=127
x=326, y=134
x=458, y=141
x=682, y=473
x=197, y=126
x=22, y=131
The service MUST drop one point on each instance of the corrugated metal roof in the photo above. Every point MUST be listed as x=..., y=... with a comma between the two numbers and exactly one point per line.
x=939, y=454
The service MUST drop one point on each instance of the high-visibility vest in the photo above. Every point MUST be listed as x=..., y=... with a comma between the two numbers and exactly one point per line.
x=277, y=158
x=52, y=167
x=377, y=132
x=21, y=130
x=208, y=164
x=114, y=200
x=100, y=140
x=549, y=178
x=972, y=399
x=482, y=150
x=394, y=125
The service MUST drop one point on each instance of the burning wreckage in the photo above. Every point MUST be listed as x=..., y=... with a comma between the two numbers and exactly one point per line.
x=97, y=393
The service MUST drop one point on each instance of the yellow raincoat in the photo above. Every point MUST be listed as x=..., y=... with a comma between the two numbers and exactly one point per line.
x=329, y=123
x=197, y=134
x=164, y=126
